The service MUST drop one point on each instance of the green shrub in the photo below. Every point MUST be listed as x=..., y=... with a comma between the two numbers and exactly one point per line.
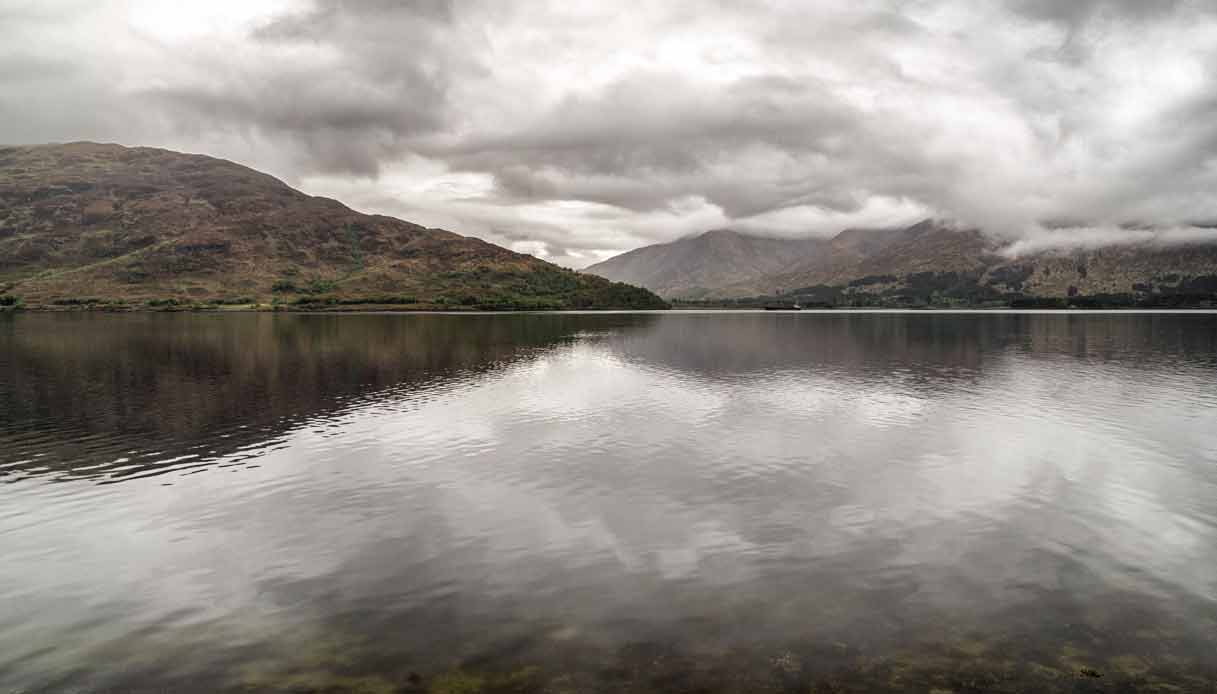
x=315, y=301
x=316, y=286
x=320, y=286
x=353, y=239
x=11, y=301
x=388, y=300
x=75, y=301
x=520, y=304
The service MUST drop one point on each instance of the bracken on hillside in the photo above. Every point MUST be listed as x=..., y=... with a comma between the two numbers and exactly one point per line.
x=88, y=224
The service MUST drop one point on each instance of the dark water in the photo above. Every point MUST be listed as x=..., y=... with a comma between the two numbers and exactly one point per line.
x=595, y=503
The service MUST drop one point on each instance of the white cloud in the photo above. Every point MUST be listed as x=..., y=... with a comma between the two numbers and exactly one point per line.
x=1089, y=238
x=580, y=130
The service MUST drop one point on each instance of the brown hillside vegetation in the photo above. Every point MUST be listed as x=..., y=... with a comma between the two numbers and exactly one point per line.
x=102, y=224
x=926, y=263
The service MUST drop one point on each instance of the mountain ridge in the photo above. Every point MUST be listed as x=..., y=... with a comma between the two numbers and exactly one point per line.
x=94, y=223
x=691, y=265
x=930, y=262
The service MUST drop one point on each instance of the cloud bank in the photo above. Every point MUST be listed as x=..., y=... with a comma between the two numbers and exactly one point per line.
x=1094, y=237
x=576, y=130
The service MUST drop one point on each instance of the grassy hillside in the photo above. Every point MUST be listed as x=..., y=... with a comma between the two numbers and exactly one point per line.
x=89, y=224
x=700, y=265
x=931, y=264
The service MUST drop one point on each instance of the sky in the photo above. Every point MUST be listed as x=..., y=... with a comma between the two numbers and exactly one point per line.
x=577, y=130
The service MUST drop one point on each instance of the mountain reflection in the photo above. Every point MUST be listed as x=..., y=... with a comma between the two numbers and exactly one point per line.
x=938, y=344
x=114, y=395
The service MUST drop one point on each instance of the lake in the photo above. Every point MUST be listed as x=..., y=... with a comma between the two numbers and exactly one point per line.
x=675, y=502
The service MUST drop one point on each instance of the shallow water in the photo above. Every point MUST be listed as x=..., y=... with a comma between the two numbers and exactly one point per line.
x=841, y=502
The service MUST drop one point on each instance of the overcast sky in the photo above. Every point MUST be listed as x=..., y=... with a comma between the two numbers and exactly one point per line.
x=576, y=130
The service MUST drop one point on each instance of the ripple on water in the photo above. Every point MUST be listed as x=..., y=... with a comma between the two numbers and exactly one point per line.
x=834, y=502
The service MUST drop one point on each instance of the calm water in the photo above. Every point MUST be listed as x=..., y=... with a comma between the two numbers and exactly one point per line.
x=614, y=502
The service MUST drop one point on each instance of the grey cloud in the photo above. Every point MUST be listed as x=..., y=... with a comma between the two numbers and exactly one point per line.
x=588, y=129
x=1076, y=12
x=646, y=140
x=343, y=126
x=25, y=67
x=347, y=114
x=320, y=21
x=1076, y=16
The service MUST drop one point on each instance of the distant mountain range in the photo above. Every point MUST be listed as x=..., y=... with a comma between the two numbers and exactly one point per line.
x=88, y=224
x=926, y=263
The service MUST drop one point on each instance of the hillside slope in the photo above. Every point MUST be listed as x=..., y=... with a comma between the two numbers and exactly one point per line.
x=932, y=262
x=699, y=265
x=858, y=254
x=87, y=223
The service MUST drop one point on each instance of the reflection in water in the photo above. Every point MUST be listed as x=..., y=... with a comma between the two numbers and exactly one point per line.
x=706, y=502
x=157, y=390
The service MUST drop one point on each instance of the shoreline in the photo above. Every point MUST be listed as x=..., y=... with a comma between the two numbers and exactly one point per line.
x=391, y=309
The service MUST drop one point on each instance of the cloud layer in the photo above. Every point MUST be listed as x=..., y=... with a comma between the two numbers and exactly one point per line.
x=575, y=130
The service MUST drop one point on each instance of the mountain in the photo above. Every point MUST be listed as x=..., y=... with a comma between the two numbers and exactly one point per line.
x=856, y=254
x=727, y=263
x=930, y=263
x=88, y=223
x=697, y=266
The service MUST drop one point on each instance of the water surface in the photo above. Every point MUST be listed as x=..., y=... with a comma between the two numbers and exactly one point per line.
x=706, y=502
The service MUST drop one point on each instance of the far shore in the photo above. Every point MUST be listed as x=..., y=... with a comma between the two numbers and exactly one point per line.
x=473, y=310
